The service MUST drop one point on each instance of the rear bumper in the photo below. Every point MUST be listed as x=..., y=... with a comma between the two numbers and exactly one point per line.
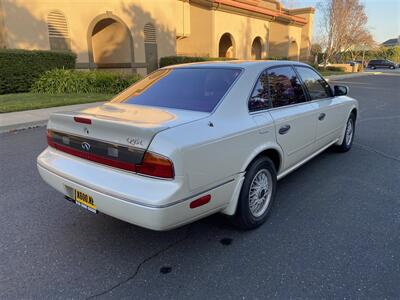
x=147, y=202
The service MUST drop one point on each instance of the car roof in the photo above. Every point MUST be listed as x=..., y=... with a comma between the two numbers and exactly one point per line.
x=245, y=64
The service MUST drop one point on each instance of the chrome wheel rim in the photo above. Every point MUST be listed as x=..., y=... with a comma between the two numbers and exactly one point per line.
x=260, y=193
x=349, y=131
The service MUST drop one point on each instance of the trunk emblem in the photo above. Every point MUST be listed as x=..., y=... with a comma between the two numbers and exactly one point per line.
x=85, y=146
x=134, y=141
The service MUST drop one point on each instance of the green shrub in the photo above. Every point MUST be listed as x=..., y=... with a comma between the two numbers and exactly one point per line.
x=19, y=69
x=277, y=58
x=175, y=60
x=335, y=69
x=70, y=81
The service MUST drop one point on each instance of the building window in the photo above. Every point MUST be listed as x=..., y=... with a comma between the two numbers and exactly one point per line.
x=58, y=31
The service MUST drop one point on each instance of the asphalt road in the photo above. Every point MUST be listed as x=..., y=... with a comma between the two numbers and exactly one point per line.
x=334, y=231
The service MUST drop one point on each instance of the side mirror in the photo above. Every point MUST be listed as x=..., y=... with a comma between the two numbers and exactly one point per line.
x=340, y=90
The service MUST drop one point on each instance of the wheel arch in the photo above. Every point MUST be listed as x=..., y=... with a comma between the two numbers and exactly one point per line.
x=271, y=151
x=352, y=110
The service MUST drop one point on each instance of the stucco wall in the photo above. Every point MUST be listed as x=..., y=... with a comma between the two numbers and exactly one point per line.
x=32, y=33
x=285, y=40
x=294, y=33
x=199, y=42
x=306, y=35
x=3, y=43
x=278, y=40
x=182, y=28
x=243, y=29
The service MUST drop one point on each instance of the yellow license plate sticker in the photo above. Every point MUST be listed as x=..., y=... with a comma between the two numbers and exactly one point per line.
x=85, y=200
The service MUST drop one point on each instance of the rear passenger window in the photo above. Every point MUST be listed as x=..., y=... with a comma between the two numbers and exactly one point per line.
x=260, y=99
x=317, y=87
x=284, y=87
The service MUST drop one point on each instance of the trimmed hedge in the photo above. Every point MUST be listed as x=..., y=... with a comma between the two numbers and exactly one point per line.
x=175, y=60
x=70, y=81
x=335, y=69
x=277, y=58
x=19, y=69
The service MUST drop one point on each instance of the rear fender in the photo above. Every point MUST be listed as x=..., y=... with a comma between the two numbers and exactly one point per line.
x=231, y=208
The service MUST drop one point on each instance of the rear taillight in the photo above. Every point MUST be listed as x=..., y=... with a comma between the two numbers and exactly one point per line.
x=121, y=157
x=50, y=141
x=156, y=165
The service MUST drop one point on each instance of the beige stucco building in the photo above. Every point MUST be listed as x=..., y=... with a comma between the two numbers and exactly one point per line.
x=134, y=34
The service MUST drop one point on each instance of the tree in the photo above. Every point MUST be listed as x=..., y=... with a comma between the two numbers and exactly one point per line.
x=344, y=26
x=316, y=49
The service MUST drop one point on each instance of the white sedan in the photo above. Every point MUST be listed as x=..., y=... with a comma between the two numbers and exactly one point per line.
x=192, y=140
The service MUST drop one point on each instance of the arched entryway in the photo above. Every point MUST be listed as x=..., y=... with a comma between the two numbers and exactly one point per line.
x=226, y=46
x=109, y=43
x=257, y=48
x=293, y=51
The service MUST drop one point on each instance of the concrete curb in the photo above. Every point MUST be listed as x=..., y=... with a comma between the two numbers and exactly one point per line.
x=22, y=126
x=37, y=117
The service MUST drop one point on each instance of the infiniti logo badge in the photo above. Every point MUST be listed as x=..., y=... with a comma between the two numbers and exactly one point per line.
x=85, y=146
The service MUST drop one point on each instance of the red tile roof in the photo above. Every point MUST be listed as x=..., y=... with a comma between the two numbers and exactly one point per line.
x=261, y=10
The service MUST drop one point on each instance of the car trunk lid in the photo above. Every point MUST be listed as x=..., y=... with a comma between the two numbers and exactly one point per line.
x=122, y=124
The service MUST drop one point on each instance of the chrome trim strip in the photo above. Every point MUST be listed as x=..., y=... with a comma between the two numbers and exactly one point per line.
x=291, y=169
x=107, y=193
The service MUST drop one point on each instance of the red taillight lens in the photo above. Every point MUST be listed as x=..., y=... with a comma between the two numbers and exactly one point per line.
x=156, y=165
x=50, y=141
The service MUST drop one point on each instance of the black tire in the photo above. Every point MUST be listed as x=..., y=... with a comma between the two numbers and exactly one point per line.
x=391, y=67
x=244, y=218
x=346, y=144
x=373, y=68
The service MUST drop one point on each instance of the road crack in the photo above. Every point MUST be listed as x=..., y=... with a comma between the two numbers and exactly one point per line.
x=139, y=266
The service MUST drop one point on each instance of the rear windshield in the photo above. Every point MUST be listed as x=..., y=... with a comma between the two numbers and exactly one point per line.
x=198, y=89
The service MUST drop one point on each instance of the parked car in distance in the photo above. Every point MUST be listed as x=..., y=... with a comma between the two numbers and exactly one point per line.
x=191, y=140
x=381, y=63
x=355, y=62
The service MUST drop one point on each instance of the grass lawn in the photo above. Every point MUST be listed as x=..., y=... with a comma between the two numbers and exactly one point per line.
x=27, y=101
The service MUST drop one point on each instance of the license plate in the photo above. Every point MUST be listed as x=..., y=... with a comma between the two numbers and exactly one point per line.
x=85, y=200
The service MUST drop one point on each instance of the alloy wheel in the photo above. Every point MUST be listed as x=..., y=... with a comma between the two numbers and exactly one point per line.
x=260, y=192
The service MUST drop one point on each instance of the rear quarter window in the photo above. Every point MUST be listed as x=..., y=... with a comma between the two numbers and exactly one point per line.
x=198, y=89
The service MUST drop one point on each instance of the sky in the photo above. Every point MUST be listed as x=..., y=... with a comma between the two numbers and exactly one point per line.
x=383, y=17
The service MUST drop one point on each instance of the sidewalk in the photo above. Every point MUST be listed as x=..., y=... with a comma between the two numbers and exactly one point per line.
x=39, y=117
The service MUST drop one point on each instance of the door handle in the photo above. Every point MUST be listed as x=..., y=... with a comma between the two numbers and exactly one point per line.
x=284, y=129
x=321, y=116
